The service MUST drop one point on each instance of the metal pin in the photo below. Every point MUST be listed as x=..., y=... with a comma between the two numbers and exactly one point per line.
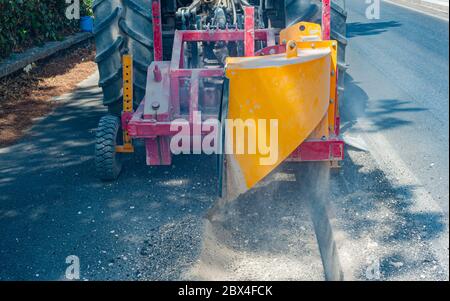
x=155, y=106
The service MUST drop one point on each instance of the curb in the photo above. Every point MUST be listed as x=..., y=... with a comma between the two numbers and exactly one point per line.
x=21, y=60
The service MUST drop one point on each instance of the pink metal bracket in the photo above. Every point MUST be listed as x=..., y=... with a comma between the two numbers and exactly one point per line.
x=249, y=27
x=157, y=30
x=326, y=20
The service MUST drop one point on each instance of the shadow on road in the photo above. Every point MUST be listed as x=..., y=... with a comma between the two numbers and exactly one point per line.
x=368, y=29
x=150, y=224
x=381, y=225
x=376, y=215
x=383, y=113
x=146, y=225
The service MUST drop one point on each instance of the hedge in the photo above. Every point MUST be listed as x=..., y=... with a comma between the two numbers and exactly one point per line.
x=26, y=23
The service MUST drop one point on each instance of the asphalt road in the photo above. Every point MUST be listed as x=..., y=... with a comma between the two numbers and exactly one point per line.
x=399, y=82
x=388, y=206
x=151, y=224
x=396, y=106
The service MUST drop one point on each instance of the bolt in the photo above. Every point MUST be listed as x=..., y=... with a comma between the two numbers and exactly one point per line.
x=292, y=45
x=155, y=105
x=332, y=73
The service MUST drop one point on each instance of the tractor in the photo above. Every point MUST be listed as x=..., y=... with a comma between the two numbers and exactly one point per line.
x=161, y=62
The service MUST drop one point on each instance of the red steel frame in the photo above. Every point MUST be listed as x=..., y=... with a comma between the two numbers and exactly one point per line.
x=156, y=130
x=157, y=30
x=326, y=20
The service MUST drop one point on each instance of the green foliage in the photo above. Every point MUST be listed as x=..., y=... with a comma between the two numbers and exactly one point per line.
x=86, y=8
x=25, y=23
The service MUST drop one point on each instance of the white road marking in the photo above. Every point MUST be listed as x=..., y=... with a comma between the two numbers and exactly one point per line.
x=420, y=11
x=439, y=2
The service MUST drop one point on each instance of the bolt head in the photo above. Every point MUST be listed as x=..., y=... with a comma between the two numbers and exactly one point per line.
x=155, y=105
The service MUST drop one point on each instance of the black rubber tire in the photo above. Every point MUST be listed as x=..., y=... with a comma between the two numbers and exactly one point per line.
x=136, y=26
x=311, y=11
x=108, y=163
x=339, y=33
x=122, y=26
x=109, y=43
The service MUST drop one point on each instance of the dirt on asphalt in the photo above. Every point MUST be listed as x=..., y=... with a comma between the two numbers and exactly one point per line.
x=25, y=96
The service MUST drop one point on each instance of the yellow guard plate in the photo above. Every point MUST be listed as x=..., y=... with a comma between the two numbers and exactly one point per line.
x=291, y=90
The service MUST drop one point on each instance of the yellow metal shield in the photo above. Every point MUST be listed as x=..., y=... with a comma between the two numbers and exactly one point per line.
x=275, y=102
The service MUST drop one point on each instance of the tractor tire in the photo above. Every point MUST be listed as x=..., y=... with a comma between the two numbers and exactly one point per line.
x=109, y=44
x=339, y=33
x=122, y=26
x=311, y=11
x=108, y=163
x=137, y=28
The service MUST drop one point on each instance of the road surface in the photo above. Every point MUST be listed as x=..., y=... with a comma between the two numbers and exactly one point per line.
x=388, y=206
x=399, y=82
x=397, y=103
